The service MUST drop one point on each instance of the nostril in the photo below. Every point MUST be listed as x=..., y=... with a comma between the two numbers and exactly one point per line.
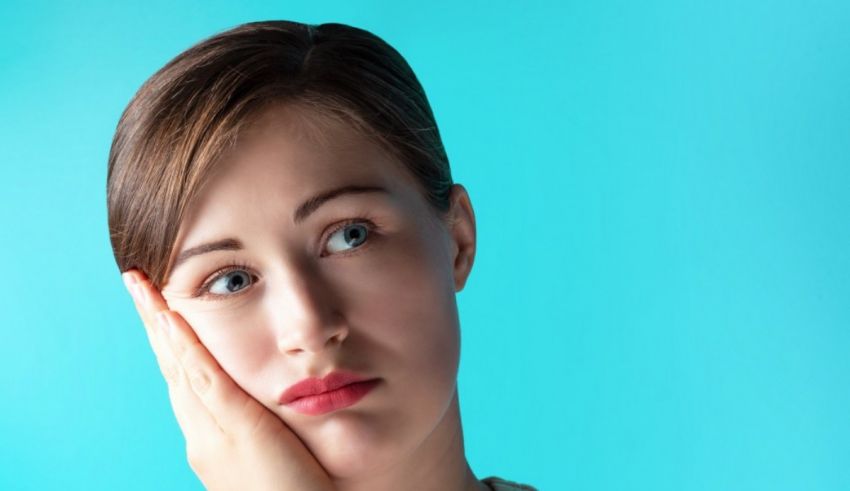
x=338, y=338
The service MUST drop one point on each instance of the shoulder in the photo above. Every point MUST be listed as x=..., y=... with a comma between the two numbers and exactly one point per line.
x=499, y=484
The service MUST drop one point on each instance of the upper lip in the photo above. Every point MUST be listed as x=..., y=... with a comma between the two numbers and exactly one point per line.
x=312, y=386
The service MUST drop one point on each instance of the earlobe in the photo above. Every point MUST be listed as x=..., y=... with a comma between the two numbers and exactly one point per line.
x=462, y=231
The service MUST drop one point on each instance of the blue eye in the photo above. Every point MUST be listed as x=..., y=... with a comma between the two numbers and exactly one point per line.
x=230, y=282
x=348, y=236
x=234, y=279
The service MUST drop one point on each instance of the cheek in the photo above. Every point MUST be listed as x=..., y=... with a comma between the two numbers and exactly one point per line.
x=404, y=302
x=230, y=338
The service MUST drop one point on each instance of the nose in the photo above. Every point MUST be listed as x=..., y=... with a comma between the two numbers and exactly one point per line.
x=306, y=318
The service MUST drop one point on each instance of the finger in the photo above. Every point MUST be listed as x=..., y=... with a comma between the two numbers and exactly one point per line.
x=147, y=298
x=195, y=420
x=166, y=362
x=192, y=416
x=131, y=281
x=232, y=408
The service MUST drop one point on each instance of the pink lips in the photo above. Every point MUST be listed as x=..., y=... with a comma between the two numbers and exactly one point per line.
x=318, y=396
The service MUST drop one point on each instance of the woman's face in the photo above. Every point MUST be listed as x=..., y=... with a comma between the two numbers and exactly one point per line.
x=363, y=282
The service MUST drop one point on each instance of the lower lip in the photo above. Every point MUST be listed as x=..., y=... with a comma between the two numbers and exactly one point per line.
x=333, y=400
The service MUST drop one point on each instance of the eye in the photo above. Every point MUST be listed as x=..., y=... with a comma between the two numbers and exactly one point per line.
x=229, y=283
x=234, y=279
x=349, y=236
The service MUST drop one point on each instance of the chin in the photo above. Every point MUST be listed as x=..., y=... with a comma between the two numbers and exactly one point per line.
x=349, y=444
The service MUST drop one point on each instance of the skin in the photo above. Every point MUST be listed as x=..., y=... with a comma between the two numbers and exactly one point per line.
x=232, y=441
x=311, y=303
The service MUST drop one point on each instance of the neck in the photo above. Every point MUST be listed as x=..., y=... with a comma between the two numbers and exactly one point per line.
x=438, y=464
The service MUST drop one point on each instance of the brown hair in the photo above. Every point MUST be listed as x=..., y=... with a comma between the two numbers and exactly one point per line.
x=185, y=116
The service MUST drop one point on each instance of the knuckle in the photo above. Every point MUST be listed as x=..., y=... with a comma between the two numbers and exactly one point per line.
x=179, y=348
x=171, y=372
x=200, y=380
x=186, y=352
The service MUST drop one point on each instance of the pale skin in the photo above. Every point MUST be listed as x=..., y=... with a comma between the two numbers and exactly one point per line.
x=310, y=301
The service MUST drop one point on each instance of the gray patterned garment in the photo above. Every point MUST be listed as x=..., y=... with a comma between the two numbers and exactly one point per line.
x=499, y=484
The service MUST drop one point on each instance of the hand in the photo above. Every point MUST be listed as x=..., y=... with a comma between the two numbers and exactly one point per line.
x=232, y=441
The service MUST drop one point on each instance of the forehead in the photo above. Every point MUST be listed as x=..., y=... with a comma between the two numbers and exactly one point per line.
x=299, y=146
x=290, y=153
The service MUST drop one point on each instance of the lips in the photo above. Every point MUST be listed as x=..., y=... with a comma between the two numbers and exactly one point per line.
x=316, y=396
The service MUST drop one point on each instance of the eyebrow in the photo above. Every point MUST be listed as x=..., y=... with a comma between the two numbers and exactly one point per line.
x=303, y=211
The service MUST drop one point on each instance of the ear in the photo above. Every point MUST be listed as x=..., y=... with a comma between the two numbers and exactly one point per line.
x=461, y=226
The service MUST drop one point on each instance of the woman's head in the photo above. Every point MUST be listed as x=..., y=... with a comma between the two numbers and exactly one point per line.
x=309, y=158
x=173, y=133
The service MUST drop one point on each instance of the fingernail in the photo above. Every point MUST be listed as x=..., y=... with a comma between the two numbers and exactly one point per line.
x=129, y=280
x=134, y=291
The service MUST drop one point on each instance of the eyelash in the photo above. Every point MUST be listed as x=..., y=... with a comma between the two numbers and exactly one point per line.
x=203, y=293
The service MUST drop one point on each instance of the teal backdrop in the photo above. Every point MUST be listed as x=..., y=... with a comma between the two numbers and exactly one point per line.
x=661, y=296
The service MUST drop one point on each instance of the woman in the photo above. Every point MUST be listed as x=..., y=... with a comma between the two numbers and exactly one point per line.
x=282, y=210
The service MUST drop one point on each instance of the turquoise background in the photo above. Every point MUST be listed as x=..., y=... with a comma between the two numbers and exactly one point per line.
x=661, y=297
